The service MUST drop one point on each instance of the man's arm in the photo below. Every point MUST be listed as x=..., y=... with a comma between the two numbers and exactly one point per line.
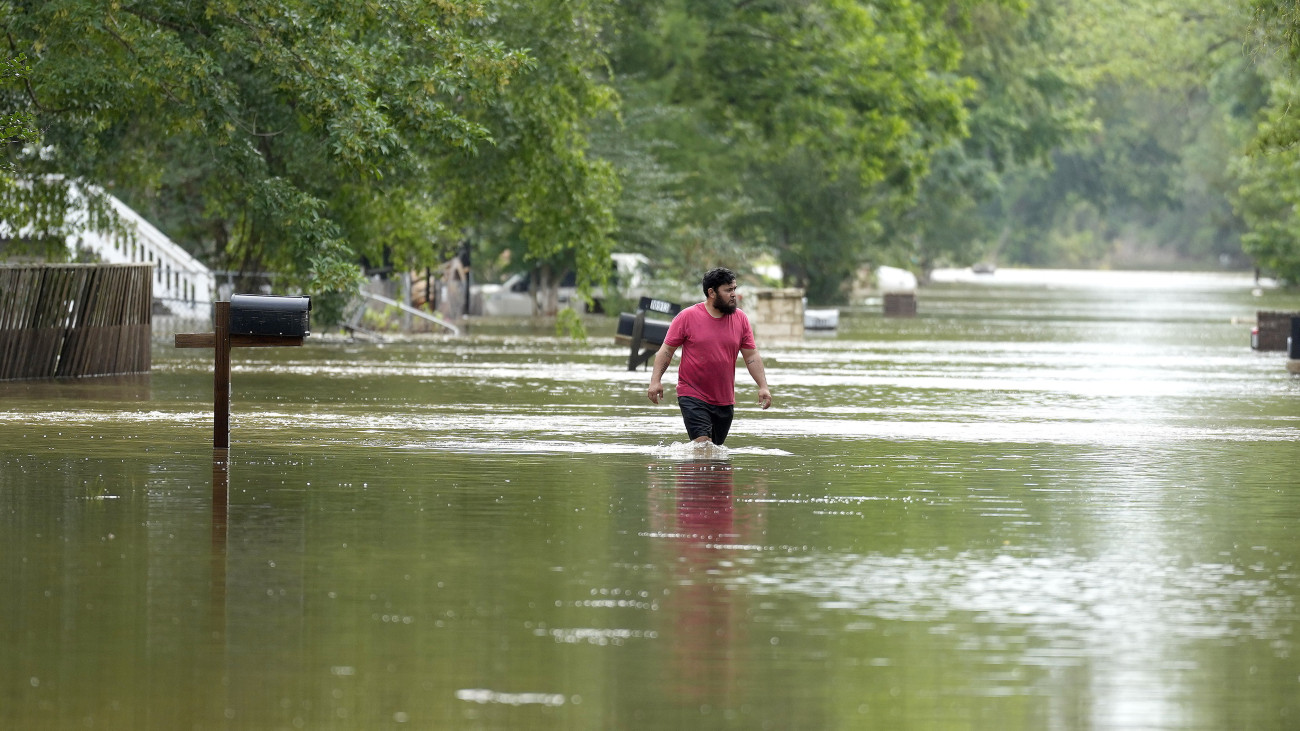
x=663, y=358
x=754, y=362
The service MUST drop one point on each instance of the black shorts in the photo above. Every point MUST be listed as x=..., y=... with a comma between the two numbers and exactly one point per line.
x=705, y=420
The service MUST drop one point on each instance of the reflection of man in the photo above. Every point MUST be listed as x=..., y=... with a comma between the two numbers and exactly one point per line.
x=711, y=333
x=708, y=619
x=705, y=506
x=706, y=518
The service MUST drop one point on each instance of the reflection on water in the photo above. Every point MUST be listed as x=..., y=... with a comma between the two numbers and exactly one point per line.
x=1049, y=501
x=703, y=617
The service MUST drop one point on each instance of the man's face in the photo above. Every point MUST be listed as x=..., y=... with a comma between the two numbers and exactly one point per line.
x=724, y=298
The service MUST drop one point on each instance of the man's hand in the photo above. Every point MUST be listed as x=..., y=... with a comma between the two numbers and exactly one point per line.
x=663, y=358
x=764, y=398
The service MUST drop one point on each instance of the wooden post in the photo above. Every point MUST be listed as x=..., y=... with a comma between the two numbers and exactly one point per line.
x=221, y=378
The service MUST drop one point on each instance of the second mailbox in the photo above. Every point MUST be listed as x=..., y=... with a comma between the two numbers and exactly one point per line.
x=269, y=314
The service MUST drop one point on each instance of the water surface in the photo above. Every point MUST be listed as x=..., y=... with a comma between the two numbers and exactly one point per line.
x=1050, y=501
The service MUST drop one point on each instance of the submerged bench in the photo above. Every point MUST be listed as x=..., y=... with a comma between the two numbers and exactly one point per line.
x=644, y=335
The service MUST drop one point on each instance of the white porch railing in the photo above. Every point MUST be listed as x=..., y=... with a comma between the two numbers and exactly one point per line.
x=183, y=284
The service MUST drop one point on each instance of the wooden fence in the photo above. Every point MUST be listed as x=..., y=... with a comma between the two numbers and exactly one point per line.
x=68, y=320
x=1274, y=329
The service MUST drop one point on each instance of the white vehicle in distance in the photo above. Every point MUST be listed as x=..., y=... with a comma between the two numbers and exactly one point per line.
x=512, y=298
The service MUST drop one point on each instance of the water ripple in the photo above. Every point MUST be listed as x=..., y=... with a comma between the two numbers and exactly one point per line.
x=1092, y=606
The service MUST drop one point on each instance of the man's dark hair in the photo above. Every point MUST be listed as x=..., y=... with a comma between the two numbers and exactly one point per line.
x=715, y=278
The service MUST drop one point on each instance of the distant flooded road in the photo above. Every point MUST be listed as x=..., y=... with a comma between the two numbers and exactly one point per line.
x=1052, y=500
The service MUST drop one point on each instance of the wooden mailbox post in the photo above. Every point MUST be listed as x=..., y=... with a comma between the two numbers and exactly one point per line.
x=222, y=341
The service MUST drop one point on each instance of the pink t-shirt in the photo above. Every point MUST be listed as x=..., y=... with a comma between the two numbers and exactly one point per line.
x=708, y=368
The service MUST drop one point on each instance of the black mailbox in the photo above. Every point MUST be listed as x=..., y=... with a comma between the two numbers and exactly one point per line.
x=268, y=314
x=654, y=331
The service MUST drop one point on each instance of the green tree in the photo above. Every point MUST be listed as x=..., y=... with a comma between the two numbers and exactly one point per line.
x=16, y=125
x=300, y=135
x=1173, y=99
x=1269, y=195
x=17, y=130
x=537, y=191
x=1269, y=189
x=1026, y=103
x=790, y=124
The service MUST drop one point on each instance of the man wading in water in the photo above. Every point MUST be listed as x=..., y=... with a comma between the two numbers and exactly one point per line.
x=713, y=331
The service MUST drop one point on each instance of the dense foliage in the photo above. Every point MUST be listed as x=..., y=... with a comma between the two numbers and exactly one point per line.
x=301, y=135
x=792, y=126
x=1270, y=173
x=314, y=137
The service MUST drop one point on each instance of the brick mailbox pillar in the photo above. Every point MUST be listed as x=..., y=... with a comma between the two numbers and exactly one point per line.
x=1272, y=329
x=776, y=314
x=900, y=304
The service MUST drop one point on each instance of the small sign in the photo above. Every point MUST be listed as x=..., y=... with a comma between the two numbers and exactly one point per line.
x=661, y=306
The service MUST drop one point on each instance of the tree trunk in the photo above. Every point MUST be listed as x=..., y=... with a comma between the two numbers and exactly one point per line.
x=545, y=286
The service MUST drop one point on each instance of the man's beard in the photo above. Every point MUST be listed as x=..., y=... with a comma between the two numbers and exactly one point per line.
x=722, y=305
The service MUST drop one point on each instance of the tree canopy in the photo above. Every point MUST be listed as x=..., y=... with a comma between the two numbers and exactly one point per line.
x=312, y=137
x=789, y=127
x=298, y=135
x=1269, y=191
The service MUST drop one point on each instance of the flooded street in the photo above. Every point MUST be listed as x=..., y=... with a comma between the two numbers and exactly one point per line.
x=1050, y=501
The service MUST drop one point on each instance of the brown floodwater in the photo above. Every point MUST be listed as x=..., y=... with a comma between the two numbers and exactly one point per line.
x=1050, y=501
